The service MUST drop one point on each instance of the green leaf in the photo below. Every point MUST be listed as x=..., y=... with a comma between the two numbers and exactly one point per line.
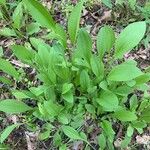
x=7, y=32
x=63, y=118
x=145, y=115
x=97, y=67
x=21, y=94
x=71, y=133
x=52, y=108
x=66, y=87
x=133, y=102
x=23, y=53
x=102, y=141
x=1, y=51
x=124, y=72
x=105, y=40
x=130, y=131
x=108, y=130
x=84, y=80
x=123, y=90
x=84, y=44
x=13, y=106
x=126, y=141
x=40, y=14
x=8, y=68
x=108, y=3
x=74, y=20
x=32, y=28
x=129, y=38
x=5, y=80
x=124, y=115
x=142, y=79
x=68, y=96
x=108, y=101
x=17, y=16
x=6, y=132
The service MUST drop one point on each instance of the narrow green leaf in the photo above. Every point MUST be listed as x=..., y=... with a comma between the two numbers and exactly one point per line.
x=129, y=38
x=105, y=40
x=8, y=68
x=124, y=115
x=73, y=22
x=40, y=14
x=13, y=106
x=17, y=16
x=125, y=72
x=6, y=132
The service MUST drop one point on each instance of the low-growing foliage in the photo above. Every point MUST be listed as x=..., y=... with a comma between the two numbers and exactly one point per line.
x=76, y=81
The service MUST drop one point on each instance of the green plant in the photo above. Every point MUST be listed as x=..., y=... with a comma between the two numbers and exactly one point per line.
x=75, y=81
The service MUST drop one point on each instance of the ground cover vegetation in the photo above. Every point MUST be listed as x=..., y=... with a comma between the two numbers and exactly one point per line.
x=64, y=85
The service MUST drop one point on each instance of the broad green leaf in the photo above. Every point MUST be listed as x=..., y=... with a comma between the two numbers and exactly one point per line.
x=66, y=87
x=39, y=13
x=130, y=131
x=84, y=44
x=6, y=132
x=13, y=106
x=124, y=72
x=37, y=91
x=105, y=40
x=102, y=141
x=125, y=115
x=63, y=118
x=133, y=102
x=44, y=135
x=142, y=79
x=74, y=20
x=145, y=115
x=23, y=53
x=71, y=133
x=90, y=108
x=8, y=68
x=84, y=80
x=52, y=108
x=129, y=38
x=97, y=67
x=108, y=101
x=21, y=94
x=17, y=16
x=68, y=96
x=7, y=32
x=123, y=90
x=32, y=28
